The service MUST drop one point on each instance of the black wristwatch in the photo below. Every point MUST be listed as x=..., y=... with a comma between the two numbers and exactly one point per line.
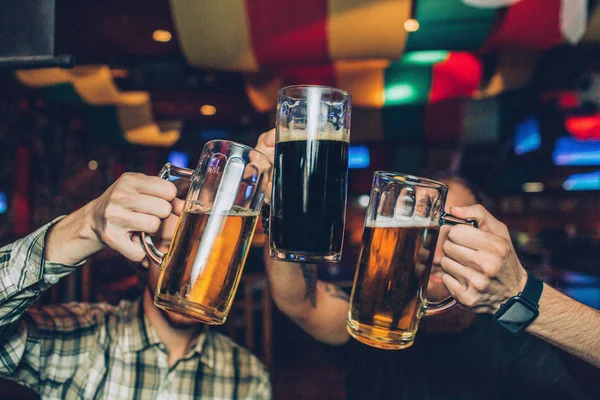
x=521, y=310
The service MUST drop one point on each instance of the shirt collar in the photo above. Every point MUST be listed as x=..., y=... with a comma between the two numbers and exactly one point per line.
x=139, y=335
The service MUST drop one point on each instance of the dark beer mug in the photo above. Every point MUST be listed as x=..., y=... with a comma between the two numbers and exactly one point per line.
x=400, y=234
x=308, y=208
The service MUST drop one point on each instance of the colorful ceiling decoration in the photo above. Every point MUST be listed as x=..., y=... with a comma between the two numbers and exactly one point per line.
x=112, y=115
x=417, y=78
x=361, y=45
x=249, y=36
x=466, y=121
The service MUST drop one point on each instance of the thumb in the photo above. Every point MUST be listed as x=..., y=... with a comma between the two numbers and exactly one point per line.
x=268, y=138
x=177, y=205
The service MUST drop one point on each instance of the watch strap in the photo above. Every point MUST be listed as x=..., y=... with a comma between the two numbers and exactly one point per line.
x=532, y=290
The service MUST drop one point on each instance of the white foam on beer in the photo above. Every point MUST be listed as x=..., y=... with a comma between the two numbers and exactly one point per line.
x=328, y=132
x=401, y=222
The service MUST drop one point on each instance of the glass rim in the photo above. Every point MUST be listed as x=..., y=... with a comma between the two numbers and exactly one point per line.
x=244, y=146
x=321, y=87
x=410, y=179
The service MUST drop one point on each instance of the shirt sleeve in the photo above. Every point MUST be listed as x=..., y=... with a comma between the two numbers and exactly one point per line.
x=260, y=387
x=263, y=389
x=24, y=276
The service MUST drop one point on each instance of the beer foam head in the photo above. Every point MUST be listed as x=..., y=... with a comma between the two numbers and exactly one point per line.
x=324, y=132
x=402, y=222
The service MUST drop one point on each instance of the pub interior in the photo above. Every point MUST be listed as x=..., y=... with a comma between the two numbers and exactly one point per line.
x=504, y=93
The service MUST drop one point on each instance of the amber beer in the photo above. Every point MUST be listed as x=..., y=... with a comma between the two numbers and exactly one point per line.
x=391, y=282
x=204, y=283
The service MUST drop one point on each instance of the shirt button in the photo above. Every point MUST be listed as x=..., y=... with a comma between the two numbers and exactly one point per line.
x=53, y=279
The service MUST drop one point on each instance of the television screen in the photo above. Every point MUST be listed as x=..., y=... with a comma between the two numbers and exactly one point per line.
x=3, y=203
x=586, y=181
x=569, y=151
x=527, y=136
x=358, y=157
x=179, y=159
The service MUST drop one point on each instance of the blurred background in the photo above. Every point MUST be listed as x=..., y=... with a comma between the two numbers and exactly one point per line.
x=505, y=93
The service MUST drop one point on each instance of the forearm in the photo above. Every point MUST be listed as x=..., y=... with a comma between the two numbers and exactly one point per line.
x=319, y=308
x=293, y=286
x=72, y=239
x=327, y=323
x=569, y=325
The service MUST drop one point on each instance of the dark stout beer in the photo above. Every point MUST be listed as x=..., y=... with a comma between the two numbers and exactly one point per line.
x=204, y=287
x=309, y=198
x=390, y=283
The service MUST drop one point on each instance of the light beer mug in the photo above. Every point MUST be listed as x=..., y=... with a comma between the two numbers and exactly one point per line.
x=400, y=234
x=201, y=271
x=310, y=180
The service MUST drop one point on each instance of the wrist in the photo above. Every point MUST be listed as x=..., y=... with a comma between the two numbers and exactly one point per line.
x=72, y=239
x=88, y=228
x=523, y=277
x=521, y=282
x=519, y=311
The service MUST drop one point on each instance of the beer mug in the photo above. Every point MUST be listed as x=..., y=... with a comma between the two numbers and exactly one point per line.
x=400, y=234
x=201, y=271
x=308, y=208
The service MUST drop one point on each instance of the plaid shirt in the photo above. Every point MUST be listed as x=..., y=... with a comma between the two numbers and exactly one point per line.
x=99, y=351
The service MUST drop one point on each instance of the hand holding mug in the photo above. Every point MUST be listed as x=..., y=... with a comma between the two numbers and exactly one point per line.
x=134, y=203
x=481, y=265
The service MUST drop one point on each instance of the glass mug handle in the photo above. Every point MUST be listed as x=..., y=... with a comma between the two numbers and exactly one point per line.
x=438, y=307
x=167, y=172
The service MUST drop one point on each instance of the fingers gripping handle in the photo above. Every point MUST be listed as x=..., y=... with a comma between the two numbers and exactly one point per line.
x=438, y=307
x=167, y=172
x=451, y=220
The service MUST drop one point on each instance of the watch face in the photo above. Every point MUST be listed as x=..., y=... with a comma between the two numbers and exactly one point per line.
x=516, y=316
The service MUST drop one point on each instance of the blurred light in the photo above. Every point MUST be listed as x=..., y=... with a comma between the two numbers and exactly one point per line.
x=425, y=57
x=411, y=25
x=400, y=93
x=533, y=187
x=161, y=36
x=119, y=73
x=589, y=296
x=568, y=100
x=569, y=151
x=527, y=136
x=587, y=181
x=577, y=278
x=179, y=159
x=208, y=110
x=93, y=165
x=3, y=203
x=358, y=157
x=363, y=200
x=584, y=127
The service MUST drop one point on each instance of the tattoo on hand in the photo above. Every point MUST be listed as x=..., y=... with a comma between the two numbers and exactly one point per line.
x=334, y=291
x=309, y=272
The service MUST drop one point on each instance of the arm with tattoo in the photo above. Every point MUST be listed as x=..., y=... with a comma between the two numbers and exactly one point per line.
x=318, y=307
x=334, y=291
x=309, y=273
